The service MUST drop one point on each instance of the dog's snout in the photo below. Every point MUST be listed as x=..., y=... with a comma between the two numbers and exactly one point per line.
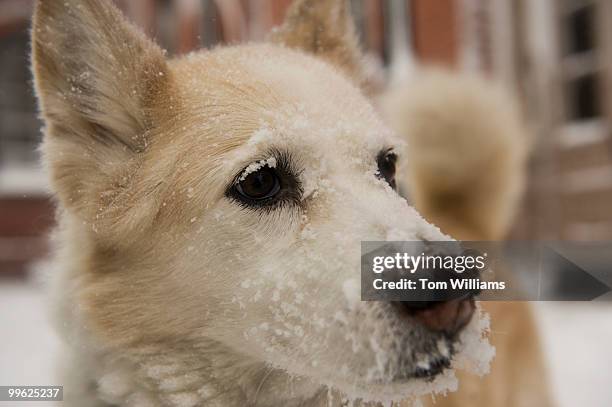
x=449, y=307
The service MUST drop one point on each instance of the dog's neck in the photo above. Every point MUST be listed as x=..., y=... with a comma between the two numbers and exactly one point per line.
x=184, y=377
x=201, y=372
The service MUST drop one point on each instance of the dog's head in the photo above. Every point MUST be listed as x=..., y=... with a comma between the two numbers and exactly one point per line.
x=222, y=196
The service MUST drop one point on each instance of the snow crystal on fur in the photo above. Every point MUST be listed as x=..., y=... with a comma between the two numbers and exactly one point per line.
x=256, y=166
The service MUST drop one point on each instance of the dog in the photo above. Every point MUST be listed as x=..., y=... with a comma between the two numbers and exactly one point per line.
x=210, y=210
x=466, y=159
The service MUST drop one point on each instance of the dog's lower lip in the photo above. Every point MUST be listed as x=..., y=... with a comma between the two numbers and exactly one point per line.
x=434, y=369
x=429, y=373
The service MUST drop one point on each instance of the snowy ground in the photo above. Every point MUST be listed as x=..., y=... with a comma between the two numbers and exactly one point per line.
x=577, y=338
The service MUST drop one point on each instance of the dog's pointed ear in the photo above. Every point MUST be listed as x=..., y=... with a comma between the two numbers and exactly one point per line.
x=99, y=81
x=324, y=28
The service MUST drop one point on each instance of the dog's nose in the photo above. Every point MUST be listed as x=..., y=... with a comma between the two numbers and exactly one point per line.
x=449, y=317
x=448, y=310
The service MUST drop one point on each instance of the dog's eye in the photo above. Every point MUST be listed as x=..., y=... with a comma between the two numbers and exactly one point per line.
x=259, y=185
x=267, y=184
x=386, y=166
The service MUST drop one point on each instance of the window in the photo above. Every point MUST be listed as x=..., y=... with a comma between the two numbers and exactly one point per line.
x=580, y=62
x=579, y=25
x=19, y=127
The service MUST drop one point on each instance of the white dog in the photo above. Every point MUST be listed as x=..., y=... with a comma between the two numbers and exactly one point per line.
x=211, y=210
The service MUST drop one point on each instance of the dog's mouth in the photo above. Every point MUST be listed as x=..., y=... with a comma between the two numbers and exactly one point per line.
x=446, y=320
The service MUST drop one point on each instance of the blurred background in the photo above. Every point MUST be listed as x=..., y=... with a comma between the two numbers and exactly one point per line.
x=555, y=55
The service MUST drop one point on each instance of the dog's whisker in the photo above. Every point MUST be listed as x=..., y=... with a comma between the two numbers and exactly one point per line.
x=267, y=374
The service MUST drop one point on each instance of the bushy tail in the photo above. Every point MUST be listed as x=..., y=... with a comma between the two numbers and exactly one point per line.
x=466, y=149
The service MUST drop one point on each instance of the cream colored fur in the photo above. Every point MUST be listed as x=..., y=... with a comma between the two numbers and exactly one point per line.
x=169, y=291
